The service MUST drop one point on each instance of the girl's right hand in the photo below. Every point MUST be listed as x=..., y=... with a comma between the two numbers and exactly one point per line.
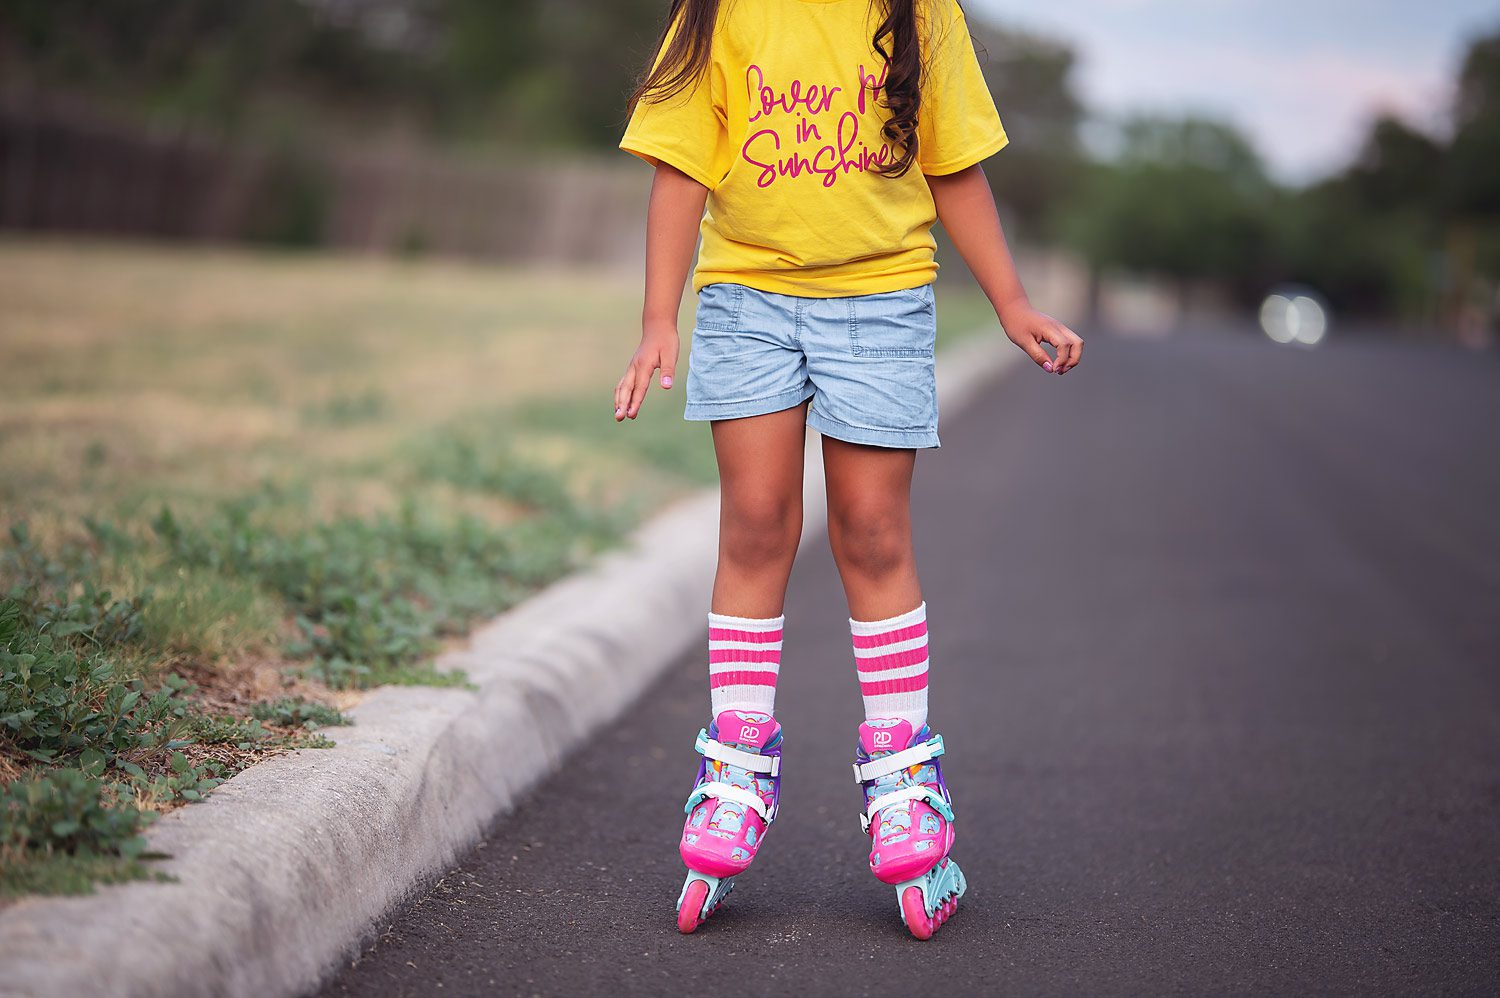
x=658, y=349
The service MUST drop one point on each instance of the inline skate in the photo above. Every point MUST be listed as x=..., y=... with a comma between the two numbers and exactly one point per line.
x=909, y=817
x=732, y=804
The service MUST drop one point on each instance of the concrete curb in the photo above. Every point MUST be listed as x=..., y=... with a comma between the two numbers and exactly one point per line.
x=287, y=866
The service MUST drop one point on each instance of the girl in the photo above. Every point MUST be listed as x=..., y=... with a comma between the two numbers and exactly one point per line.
x=824, y=138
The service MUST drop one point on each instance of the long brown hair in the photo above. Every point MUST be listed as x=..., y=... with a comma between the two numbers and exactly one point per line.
x=895, y=39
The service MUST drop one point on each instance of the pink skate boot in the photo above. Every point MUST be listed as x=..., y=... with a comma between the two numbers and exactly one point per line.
x=732, y=803
x=909, y=817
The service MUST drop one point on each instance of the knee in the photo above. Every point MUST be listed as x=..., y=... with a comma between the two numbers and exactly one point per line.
x=871, y=539
x=761, y=530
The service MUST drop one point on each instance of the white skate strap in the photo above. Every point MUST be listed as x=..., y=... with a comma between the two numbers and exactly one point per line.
x=727, y=792
x=766, y=765
x=924, y=793
x=864, y=772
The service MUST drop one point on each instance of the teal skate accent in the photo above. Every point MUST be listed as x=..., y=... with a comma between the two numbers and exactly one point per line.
x=718, y=890
x=938, y=884
x=938, y=804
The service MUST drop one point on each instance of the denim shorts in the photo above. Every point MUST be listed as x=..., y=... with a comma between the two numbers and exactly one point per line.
x=866, y=361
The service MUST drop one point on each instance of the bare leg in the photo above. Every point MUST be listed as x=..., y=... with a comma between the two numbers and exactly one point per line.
x=869, y=527
x=760, y=510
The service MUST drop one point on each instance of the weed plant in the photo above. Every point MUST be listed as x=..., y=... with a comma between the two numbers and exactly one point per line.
x=98, y=733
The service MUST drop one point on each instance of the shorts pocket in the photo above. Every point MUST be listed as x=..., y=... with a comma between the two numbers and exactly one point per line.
x=893, y=324
x=719, y=307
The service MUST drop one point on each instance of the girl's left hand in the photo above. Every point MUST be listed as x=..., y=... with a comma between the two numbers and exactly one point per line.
x=1029, y=329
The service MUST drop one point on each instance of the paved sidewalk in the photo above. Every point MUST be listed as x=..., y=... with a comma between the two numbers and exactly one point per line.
x=1217, y=658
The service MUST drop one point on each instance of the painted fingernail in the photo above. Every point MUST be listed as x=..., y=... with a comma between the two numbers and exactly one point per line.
x=618, y=411
x=1047, y=367
x=667, y=381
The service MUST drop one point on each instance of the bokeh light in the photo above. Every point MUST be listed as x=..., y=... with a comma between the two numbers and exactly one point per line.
x=1289, y=316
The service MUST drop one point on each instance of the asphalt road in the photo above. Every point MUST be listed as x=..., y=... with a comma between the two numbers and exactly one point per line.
x=1216, y=653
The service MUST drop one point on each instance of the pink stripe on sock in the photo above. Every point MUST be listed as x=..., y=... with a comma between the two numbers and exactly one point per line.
x=731, y=634
x=890, y=637
x=719, y=679
x=908, y=685
x=717, y=655
x=895, y=660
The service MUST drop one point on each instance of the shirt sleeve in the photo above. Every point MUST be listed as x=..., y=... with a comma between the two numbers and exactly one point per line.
x=688, y=130
x=957, y=125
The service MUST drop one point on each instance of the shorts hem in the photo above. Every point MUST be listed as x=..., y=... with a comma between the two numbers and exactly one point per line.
x=699, y=411
x=874, y=436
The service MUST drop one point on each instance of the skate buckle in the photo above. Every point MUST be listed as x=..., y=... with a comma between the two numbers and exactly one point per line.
x=864, y=772
x=754, y=762
x=728, y=792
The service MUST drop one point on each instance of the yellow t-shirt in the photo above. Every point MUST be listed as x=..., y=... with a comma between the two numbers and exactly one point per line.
x=783, y=135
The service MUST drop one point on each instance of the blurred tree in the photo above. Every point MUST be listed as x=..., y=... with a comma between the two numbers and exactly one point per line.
x=1473, y=185
x=202, y=61
x=1362, y=236
x=1185, y=198
x=1365, y=261
x=583, y=63
x=523, y=71
x=1474, y=158
x=1398, y=168
x=1031, y=79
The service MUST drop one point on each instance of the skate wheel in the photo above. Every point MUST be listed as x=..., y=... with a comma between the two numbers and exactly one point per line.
x=690, y=912
x=914, y=913
x=946, y=911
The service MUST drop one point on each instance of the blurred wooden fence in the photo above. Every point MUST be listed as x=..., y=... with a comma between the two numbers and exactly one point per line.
x=70, y=171
x=67, y=171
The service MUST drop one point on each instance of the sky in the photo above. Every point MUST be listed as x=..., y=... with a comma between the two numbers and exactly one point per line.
x=1303, y=78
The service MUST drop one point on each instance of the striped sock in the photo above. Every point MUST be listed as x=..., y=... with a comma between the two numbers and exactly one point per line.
x=891, y=658
x=744, y=658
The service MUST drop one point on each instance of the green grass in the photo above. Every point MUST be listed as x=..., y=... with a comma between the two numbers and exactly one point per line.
x=42, y=872
x=291, y=712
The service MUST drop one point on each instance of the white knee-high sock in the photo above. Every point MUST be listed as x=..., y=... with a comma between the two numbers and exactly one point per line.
x=890, y=656
x=744, y=659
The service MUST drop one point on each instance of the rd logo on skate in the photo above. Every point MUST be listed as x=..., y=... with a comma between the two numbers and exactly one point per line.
x=882, y=739
x=749, y=733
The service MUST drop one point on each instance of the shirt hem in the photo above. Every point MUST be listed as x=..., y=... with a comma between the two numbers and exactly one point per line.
x=776, y=284
x=652, y=154
x=967, y=160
